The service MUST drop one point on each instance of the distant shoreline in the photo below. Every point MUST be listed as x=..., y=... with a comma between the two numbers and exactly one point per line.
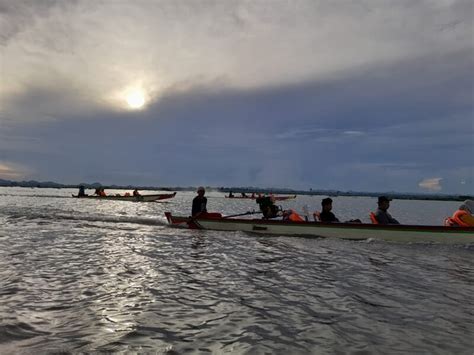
x=237, y=190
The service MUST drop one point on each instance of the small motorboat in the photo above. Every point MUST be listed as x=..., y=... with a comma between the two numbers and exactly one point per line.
x=140, y=198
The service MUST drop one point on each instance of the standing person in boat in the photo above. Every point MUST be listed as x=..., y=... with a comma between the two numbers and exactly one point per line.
x=381, y=215
x=82, y=191
x=326, y=215
x=199, y=202
x=463, y=216
x=136, y=193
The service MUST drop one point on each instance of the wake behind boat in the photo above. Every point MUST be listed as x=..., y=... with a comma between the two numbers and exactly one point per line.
x=352, y=231
x=140, y=198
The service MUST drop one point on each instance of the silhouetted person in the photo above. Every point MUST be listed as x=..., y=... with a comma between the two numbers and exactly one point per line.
x=267, y=207
x=326, y=215
x=381, y=215
x=82, y=191
x=199, y=202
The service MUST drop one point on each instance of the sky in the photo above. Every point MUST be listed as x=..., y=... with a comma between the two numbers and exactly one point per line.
x=367, y=95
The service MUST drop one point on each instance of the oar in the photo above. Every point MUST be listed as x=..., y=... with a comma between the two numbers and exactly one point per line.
x=242, y=214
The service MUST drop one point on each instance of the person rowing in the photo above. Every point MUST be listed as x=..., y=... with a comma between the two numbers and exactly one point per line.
x=267, y=207
x=270, y=210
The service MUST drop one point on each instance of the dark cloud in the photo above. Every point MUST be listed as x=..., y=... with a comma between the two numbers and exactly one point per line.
x=387, y=128
x=363, y=96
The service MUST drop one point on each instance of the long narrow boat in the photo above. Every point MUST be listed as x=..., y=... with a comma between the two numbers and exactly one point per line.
x=352, y=231
x=141, y=198
x=275, y=198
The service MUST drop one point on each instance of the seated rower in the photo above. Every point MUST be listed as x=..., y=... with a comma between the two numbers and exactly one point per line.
x=102, y=192
x=326, y=215
x=463, y=216
x=136, y=193
x=267, y=207
x=381, y=216
x=231, y=194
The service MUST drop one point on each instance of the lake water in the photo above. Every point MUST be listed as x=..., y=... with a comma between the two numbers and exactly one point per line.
x=110, y=276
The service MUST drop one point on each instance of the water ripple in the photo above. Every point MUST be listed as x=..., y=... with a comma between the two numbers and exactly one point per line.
x=113, y=278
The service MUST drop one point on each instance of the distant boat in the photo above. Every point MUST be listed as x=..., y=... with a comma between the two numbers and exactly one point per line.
x=351, y=231
x=275, y=198
x=141, y=198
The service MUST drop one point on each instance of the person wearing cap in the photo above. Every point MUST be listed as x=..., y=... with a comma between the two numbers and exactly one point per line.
x=463, y=216
x=326, y=215
x=381, y=215
x=199, y=202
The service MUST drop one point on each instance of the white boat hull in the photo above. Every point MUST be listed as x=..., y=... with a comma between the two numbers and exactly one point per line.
x=352, y=231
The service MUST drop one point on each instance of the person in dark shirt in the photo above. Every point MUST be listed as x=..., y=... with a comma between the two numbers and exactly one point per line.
x=82, y=191
x=267, y=207
x=199, y=202
x=381, y=215
x=326, y=215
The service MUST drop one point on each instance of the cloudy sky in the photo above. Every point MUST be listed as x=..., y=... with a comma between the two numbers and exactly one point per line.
x=367, y=95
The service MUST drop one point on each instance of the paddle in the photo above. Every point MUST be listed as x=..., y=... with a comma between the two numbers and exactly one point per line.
x=242, y=214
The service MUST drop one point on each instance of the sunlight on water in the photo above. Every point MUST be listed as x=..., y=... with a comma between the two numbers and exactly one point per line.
x=87, y=275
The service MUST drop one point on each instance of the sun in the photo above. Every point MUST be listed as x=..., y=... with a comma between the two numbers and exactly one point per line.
x=135, y=100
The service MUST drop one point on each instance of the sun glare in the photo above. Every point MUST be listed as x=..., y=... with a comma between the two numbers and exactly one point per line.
x=136, y=100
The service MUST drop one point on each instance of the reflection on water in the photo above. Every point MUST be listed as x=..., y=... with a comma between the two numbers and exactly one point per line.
x=82, y=276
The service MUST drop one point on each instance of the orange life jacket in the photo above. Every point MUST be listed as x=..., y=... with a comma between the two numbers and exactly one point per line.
x=373, y=218
x=295, y=217
x=456, y=219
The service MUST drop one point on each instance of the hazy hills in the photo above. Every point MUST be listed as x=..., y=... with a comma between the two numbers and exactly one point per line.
x=395, y=195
